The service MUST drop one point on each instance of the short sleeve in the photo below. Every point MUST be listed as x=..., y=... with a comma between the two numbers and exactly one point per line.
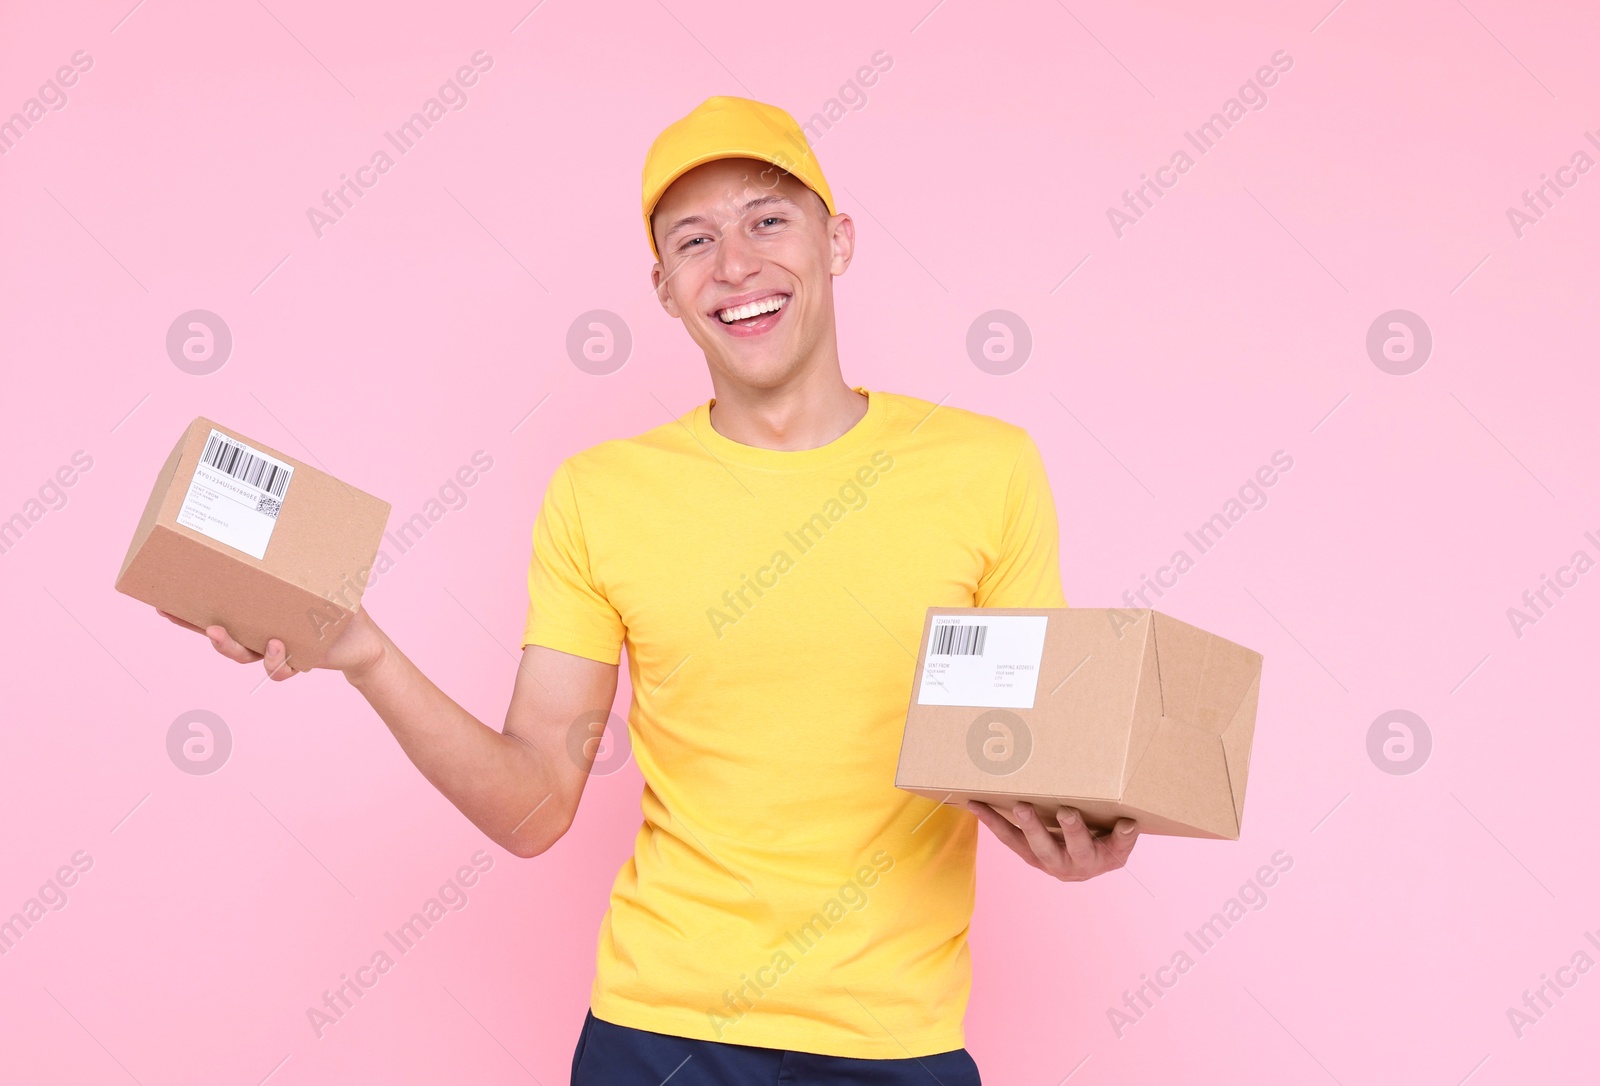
x=565, y=610
x=1027, y=570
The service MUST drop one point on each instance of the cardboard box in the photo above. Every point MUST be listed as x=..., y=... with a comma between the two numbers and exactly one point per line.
x=1119, y=713
x=237, y=533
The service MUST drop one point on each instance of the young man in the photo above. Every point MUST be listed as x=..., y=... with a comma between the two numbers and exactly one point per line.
x=788, y=915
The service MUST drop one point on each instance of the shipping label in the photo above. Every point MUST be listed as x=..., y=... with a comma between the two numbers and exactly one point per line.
x=235, y=494
x=983, y=660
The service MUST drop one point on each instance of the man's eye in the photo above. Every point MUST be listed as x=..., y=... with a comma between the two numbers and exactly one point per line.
x=689, y=243
x=770, y=218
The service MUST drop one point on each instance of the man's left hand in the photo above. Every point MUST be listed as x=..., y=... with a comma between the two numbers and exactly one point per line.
x=1077, y=856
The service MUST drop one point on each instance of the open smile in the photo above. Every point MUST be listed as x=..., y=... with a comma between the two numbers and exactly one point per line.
x=753, y=318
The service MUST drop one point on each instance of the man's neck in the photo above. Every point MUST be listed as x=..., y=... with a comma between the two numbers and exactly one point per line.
x=802, y=415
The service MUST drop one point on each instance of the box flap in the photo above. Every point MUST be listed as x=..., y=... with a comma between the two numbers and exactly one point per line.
x=1236, y=739
x=1203, y=677
x=1184, y=775
x=1209, y=690
x=1145, y=717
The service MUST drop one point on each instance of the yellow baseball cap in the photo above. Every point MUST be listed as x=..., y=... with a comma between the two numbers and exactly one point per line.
x=725, y=127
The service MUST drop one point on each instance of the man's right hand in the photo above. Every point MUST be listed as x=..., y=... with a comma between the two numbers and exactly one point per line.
x=357, y=648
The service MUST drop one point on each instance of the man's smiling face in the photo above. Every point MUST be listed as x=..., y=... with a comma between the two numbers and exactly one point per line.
x=748, y=254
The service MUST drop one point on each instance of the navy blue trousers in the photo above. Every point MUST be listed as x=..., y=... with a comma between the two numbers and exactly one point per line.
x=613, y=1055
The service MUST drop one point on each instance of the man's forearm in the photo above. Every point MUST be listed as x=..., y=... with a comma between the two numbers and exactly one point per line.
x=504, y=786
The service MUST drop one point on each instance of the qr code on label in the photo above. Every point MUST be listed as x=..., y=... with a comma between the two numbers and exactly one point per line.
x=269, y=506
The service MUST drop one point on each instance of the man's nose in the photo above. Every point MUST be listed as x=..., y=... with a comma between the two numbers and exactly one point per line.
x=736, y=255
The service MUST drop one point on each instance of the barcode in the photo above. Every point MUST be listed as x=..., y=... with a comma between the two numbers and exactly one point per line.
x=958, y=640
x=247, y=467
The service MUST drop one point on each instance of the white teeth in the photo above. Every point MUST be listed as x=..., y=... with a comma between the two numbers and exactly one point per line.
x=754, y=309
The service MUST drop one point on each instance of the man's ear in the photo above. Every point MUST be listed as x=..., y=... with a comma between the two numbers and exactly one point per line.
x=841, y=242
x=658, y=278
x=658, y=283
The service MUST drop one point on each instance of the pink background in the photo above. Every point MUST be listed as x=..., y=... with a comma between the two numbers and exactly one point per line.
x=1226, y=325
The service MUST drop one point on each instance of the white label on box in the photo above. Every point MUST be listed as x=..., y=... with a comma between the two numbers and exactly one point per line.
x=985, y=660
x=235, y=494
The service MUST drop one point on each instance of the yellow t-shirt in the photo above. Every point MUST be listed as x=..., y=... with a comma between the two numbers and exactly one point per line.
x=782, y=891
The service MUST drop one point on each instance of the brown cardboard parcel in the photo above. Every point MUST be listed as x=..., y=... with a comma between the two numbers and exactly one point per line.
x=1119, y=713
x=239, y=534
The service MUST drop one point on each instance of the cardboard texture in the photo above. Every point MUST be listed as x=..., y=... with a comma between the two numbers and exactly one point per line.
x=1119, y=713
x=240, y=534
